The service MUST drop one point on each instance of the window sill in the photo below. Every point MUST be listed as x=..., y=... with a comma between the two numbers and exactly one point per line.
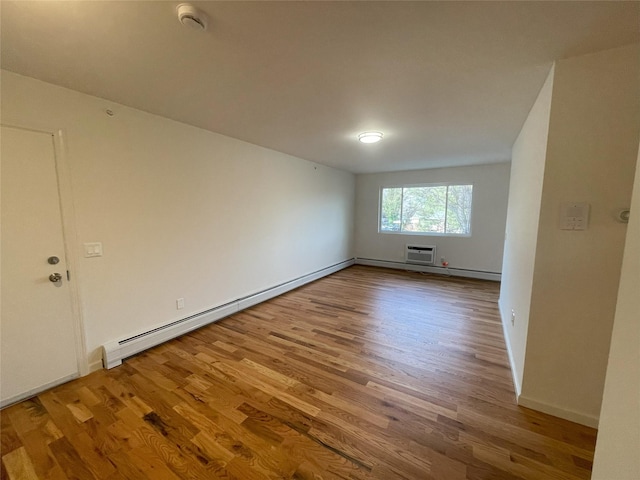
x=427, y=234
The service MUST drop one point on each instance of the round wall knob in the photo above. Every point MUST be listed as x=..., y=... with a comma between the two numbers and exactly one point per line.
x=623, y=215
x=55, y=277
x=53, y=260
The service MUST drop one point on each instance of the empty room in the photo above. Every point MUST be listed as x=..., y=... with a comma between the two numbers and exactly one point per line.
x=320, y=240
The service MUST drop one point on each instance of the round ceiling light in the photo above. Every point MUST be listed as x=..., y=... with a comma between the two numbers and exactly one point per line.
x=370, y=137
x=191, y=17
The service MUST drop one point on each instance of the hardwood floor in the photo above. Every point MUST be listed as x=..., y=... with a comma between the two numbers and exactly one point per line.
x=366, y=374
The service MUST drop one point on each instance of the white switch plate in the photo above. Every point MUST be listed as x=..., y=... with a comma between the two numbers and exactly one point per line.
x=180, y=303
x=93, y=249
x=574, y=216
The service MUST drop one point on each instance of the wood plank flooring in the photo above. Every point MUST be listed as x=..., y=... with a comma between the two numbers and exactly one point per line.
x=366, y=374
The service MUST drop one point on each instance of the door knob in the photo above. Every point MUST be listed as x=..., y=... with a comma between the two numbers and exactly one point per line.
x=55, y=277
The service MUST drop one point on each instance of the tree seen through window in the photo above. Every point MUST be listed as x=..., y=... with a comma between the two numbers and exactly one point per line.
x=439, y=209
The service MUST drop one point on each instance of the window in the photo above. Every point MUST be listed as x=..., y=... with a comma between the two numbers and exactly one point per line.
x=427, y=209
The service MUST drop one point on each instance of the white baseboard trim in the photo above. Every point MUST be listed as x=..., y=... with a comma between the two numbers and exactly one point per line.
x=117, y=350
x=507, y=341
x=576, y=417
x=95, y=366
x=263, y=296
x=524, y=401
x=35, y=391
x=453, y=272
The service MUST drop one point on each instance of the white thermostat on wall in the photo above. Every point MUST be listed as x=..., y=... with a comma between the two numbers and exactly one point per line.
x=574, y=216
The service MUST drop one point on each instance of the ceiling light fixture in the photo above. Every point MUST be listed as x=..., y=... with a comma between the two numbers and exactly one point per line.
x=191, y=17
x=370, y=137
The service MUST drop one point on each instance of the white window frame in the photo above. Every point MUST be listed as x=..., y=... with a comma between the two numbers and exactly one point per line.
x=428, y=234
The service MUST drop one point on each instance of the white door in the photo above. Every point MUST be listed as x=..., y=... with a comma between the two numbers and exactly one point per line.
x=37, y=334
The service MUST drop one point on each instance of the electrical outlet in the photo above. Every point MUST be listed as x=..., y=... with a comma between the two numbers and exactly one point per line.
x=180, y=303
x=442, y=260
x=513, y=317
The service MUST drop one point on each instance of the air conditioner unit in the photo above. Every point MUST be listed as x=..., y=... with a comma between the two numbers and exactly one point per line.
x=420, y=254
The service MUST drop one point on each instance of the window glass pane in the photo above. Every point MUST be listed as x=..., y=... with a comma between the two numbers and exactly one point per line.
x=459, y=209
x=427, y=209
x=412, y=201
x=423, y=209
x=390, y=209
x=434, y=210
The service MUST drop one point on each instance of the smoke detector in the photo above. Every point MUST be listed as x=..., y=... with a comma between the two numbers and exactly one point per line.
x=191, y=17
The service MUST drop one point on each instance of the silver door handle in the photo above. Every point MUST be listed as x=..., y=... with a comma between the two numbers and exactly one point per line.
x=55, y=277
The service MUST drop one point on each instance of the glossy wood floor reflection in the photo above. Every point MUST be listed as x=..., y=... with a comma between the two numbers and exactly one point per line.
x=366, y=374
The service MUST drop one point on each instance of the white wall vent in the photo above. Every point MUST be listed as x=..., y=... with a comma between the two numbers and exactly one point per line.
x=420, y=254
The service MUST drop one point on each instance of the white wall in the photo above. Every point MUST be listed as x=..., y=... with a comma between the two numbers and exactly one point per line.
x=592, y=144
x=525, y=195
x=181, y=212
x=482, y=251
x=619, y=428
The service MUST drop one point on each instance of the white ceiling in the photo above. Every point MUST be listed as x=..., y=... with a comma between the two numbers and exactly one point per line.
x=449, y=83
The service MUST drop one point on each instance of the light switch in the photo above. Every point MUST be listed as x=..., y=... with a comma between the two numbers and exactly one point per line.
x=93, y=249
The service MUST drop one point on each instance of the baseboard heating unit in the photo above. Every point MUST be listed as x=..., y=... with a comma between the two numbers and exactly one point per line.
x=114, y=352
x=452, y=272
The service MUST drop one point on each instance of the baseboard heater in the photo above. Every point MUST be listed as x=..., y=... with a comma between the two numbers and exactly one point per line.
x=114, y=352
x=453, y=272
